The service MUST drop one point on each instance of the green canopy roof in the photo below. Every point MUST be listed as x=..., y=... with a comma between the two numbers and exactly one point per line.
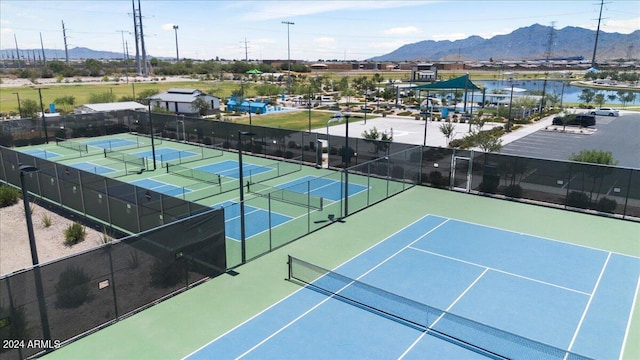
x=461, y=82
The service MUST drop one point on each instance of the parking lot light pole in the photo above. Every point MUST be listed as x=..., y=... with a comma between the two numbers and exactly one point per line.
x=347, y=156
x=44, y=319
x=241, y=180
x=44, y=124
x=19, y=106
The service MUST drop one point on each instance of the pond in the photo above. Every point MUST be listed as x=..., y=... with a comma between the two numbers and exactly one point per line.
x=569, y=95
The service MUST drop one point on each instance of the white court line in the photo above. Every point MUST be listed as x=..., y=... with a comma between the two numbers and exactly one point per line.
x=633, y=305
x=302, y=288
x=545, y=238
x=443, y=314
x=344, y=287
x=586, y=309
x=502, y=271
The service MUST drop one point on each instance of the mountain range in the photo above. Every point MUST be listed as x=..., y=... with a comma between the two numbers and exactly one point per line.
x=527, y=43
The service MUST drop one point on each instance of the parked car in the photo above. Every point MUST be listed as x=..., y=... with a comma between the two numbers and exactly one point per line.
x=583, y=120
x=605, y=112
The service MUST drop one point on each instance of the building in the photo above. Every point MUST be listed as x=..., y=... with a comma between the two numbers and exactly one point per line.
x=105, y=107
x=182, y=101
x=424, y=73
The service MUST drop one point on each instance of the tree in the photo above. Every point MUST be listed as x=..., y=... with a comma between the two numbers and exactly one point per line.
x=599, y=99
x=65, y=102
x=201, y=105
x=487, y=141
x=586, y=96
x=626, y=97
x=447, y=129
x=29, y=109
x=381, y=140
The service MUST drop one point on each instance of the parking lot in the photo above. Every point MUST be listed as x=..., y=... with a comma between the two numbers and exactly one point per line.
x=619, y=135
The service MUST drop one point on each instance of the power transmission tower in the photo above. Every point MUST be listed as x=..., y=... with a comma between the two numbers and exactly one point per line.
x=64, y=38
x=145, y=71
x=549, y=51
x=135, y=32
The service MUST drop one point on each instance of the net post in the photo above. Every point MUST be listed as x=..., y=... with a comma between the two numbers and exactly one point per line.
x=289, y=264
x=105, y=152
x=167, y=166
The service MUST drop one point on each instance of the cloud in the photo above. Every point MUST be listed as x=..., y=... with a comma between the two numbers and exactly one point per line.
x=407, y=30
x=622, y=26
x=268, y=10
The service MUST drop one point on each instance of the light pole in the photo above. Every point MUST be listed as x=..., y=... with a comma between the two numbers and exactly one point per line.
x=240, y=179
x=510, y=102
x=347, y=156
x=28, y=169
x=153, y=146
x=175, y=29
x=44, y=124
x=288, y=23
x=19, y=106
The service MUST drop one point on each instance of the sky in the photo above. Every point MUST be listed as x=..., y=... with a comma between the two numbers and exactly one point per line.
x=321, y=30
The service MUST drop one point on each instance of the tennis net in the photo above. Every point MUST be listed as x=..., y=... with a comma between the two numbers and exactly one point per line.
x=284, y=195
x=465, y=332
x=72, y=145
x=193, y=174
x=132, y=163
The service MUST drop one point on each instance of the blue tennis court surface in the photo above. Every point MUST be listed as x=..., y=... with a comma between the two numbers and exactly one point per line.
x=570, y=297
x=41, y=153
x=92, y=168
x=112, y=143
x=161, y=187
x=230, y=168
x=256, y=219
x=321, y=187
x=166, y=154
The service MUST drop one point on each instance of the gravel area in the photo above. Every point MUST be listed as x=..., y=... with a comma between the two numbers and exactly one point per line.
x=15, y=253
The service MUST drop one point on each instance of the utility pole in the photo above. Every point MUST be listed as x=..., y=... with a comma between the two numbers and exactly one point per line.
x=175, y=29
x=66, y=48
x=595, y=46
x=44, y=58
x=17, y=51
x=288, y=23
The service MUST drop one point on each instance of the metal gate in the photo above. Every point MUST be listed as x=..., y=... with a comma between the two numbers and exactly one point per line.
x=461, y=174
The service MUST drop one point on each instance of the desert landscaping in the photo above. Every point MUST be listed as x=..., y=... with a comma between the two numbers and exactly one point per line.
x=15, y=253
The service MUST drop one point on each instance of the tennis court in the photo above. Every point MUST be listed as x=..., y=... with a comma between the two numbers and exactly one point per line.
x=112, y=143
x=230, y=168
x=166, y=154
x=257, y=220
x=322, y=187
x=93, y=168
x=444, y=288
x=161, y=187
x=41, y=153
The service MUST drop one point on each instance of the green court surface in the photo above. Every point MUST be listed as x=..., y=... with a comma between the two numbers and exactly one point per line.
x=179, y=325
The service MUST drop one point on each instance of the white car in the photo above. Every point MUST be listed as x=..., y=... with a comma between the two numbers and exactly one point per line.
x=605, y=112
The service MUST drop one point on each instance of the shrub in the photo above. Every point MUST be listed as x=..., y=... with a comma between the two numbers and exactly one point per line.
x=578, y=199
x=514, y=191
x=8, y=196
x=455, y=143
x=166, y=272
x=72, y=289
x=46, y=220
x=74, y=234
x=437, y=180
x=606, y=205
x=18, y=328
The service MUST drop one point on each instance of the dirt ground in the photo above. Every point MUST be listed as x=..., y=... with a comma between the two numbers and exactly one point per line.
x=15, y=253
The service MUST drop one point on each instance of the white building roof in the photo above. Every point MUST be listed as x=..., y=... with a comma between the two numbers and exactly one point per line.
x=115, y=106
